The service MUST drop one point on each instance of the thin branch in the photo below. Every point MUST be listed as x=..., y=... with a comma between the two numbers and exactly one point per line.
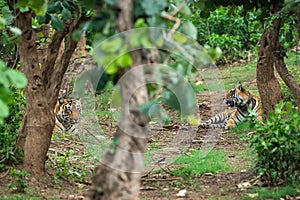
x=176, y=25
x=178, y=8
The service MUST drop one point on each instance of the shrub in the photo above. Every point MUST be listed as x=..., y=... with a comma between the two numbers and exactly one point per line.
x=9, y=129
x=19, y=183
x=277, y=144
x=235, y=33
x=231, y=46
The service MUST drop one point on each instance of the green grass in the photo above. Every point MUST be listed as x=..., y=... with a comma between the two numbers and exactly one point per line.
x=240, y=73
x=273, y=193
x=195, y=164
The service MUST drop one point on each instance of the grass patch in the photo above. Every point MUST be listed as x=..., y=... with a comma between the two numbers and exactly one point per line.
x=196, y=163
x=200, y=88
x=242, y=129
x=273, y=193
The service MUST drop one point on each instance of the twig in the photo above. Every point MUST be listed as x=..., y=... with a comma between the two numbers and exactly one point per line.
x=178, y=8
x=92, y=135
x=5, y=174
x=175, y=27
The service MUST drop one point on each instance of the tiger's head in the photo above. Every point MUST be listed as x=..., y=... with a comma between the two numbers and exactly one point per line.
x=68, y=109
x=237, y=96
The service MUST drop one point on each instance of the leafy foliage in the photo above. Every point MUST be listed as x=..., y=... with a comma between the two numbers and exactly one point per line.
x=9, y=129
x=230, y=29
x=19, y=183
x=8, y=77
x=277, y=144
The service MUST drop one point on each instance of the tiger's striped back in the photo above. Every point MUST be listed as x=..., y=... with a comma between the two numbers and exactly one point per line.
x=239, y=101
x=67, y=114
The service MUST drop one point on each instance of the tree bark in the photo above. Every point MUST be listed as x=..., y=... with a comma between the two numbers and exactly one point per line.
x=268, y=85
x=118, y=175
x=38, y=122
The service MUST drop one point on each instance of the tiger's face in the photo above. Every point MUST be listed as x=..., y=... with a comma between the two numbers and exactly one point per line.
x=237, y=96
x=68, y=109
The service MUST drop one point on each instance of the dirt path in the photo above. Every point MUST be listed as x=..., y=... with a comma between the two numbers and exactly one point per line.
x=221, y=185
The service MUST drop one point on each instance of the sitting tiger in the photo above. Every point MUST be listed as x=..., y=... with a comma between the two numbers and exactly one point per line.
x=67, y=113
x=239, y=101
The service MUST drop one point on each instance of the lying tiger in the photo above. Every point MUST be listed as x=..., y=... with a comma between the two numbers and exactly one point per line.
x=67, y=114
x=239, y=101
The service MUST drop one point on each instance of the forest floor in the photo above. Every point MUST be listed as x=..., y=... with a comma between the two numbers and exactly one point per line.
x=60, y=183
x=70, y=164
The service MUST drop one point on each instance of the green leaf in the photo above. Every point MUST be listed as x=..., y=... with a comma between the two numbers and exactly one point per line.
x=2, y=66
x=145, y=108
x=4, y=80
x=111, y=45
x=189, y=29
x=38, y=6
x=124, y=60
x=57, y=23
x=289, y=36
x=185, y=11
x=76, y=35
x=140, y=23
x=108, y=59
x=112, y=68
x=109, y=64
x=180, y=38
x=4, y=111
x=2, y=22
x=153, y=7
x=66, y=14
x=6, y=95
x=146, y=42
x=159, y=42
x=17, y=78
x=135, y=38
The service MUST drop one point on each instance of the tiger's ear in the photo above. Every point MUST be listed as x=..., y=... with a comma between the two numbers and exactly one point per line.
x=240, y=87
x=60, y=100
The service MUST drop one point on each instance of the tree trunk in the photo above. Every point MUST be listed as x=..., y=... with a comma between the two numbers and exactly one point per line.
x=38, y=121
x=118, y=175
x=268, y=86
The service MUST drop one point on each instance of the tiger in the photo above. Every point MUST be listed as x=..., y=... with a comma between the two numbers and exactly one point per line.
x=67, y=113
x=238, y=100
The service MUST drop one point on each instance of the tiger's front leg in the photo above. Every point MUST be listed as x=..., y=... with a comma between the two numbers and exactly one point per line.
x=230, y=124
